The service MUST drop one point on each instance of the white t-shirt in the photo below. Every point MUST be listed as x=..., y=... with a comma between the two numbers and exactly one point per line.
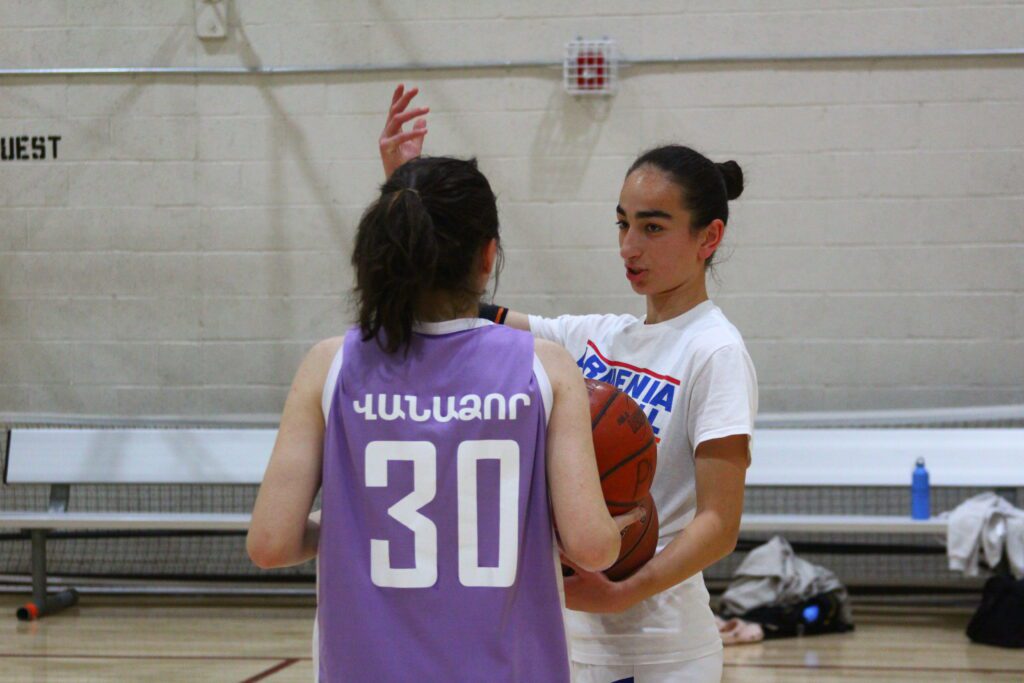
x=694, y=379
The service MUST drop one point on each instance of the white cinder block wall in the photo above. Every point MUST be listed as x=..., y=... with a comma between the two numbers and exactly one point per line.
x=191, y=239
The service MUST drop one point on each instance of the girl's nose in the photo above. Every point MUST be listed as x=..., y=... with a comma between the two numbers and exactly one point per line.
x=629, y=244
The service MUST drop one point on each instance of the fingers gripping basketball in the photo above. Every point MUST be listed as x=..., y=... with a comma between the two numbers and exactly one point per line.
x=639, y=541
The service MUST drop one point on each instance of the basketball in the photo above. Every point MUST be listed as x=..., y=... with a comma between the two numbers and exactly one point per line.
x=624, y=444
x=639, y=541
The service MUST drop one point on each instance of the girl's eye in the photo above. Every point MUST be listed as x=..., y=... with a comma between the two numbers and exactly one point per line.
x=652, y=227
x=622, y=225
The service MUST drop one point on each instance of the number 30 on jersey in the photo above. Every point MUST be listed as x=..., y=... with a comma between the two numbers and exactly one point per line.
x=423, y=455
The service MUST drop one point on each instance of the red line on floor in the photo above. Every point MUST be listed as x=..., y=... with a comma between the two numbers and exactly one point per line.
x=271, y=671
x=239, y=658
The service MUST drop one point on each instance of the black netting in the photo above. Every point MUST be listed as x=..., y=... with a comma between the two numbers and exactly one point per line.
x=177, y=555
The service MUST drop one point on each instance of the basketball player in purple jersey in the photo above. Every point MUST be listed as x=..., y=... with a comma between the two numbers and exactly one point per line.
x=443, y=445
x=688, y=368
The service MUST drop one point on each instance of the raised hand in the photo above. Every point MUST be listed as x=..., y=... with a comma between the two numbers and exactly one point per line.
x=396, y=145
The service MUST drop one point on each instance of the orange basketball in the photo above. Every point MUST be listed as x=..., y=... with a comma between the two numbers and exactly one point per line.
x=624, y=443
x=639, y=541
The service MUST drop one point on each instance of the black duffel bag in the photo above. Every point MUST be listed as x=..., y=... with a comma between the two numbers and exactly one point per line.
x=819, y=614
x=999, y=619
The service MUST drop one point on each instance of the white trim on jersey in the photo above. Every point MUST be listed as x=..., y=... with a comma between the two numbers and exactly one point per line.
x=544, y=384
x=331, y=382
x=450, y=326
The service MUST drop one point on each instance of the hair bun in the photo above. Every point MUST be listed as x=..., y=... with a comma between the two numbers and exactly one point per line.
x=733, y=176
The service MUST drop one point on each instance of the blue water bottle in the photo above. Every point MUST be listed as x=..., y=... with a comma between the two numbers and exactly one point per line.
x=920, y=495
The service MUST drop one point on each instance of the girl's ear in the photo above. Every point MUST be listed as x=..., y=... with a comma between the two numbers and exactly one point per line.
x=490, y=253
x=711, y=237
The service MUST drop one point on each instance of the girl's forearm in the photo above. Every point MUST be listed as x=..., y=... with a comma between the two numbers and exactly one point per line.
x=520, y=321
x=703, y=542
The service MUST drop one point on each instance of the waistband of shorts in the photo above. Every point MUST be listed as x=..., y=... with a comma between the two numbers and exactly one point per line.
x=645, y=654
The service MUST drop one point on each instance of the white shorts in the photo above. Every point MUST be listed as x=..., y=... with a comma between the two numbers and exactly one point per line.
x=707, y=669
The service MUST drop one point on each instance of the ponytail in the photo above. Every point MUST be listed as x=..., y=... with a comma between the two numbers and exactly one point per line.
x=395, y=257
x=420, y=238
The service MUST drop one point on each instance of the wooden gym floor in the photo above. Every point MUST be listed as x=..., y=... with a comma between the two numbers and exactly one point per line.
x=188, y=639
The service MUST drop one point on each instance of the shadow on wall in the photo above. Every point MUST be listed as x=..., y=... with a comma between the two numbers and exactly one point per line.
x=562, y=146
x=565, y=139
x=289, y=143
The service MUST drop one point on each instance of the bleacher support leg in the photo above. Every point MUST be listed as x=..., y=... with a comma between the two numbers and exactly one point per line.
x=43, y=604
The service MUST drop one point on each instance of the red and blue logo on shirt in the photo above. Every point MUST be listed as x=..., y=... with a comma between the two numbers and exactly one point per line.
x=654, y=392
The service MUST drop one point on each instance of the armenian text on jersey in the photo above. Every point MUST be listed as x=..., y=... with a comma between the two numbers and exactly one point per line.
x=493, y=406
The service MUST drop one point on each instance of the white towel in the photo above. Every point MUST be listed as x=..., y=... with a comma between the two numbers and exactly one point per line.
x=985, y=526
x=772, y=574
x=1015, y=545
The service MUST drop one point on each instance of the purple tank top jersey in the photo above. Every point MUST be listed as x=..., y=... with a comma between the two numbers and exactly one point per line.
x=436, y=559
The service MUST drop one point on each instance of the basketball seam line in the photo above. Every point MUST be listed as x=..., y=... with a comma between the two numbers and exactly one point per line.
x=620, y=464
x=596, y=420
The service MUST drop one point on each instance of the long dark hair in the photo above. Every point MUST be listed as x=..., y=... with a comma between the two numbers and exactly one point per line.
x=705, y=185
x=421, y=238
